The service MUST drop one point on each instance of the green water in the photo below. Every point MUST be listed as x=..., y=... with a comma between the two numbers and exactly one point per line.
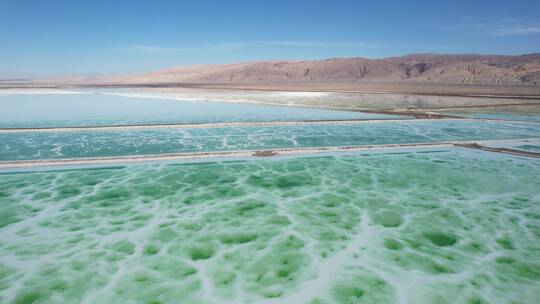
x=447, y=227
x=51, y=145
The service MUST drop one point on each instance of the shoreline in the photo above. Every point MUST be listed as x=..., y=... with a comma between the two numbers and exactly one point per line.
x=419, y=107
x=375, y=88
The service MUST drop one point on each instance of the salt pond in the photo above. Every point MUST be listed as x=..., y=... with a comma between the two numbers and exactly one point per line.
x=51, y=145
x=99, y=109
x=440, y=225
x=445, y=227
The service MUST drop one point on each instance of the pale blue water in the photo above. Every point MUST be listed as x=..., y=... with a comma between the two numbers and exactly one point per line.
x=98, y=109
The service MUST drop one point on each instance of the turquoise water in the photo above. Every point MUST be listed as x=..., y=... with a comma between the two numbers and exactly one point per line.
x=50, y=145
x=97, y=109
x=503, y=116
x=532, y=148
x=532, y=145
x=446, y=227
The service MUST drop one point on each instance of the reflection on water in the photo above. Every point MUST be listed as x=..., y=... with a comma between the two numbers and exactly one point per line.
x=99, y=109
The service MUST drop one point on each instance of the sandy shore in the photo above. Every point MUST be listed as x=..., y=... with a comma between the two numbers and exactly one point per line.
x=408, y=88
x=353, y=100
x=398, y=87
x=337, y=96
x=401, y=88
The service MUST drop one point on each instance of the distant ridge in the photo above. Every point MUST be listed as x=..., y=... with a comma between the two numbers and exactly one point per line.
x=461, y=69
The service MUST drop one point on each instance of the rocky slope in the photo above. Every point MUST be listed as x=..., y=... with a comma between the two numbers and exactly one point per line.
x=523, y=70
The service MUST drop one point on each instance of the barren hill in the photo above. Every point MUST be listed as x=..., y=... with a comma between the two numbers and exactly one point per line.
x=523, y=70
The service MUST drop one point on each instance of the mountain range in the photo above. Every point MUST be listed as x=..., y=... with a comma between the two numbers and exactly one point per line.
x=463, y=69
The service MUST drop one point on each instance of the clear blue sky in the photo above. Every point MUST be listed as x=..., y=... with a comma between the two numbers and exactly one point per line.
x=55, y=37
